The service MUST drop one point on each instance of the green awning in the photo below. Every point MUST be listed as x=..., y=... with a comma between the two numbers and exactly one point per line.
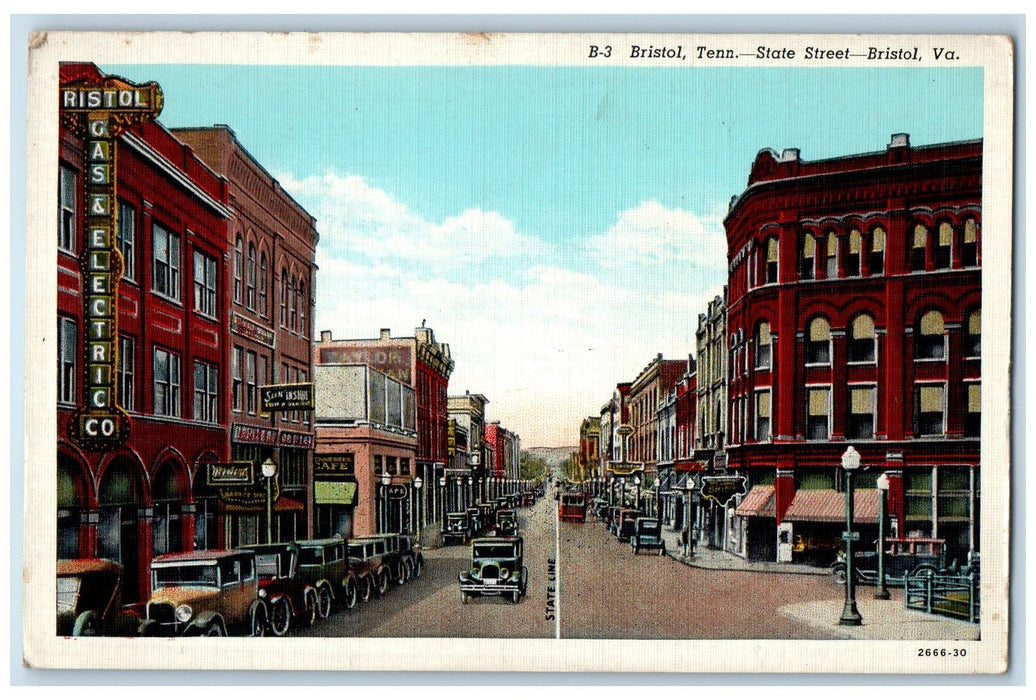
x=334, y=493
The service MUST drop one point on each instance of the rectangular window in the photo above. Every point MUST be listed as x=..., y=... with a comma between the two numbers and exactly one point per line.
x=917, y=251
x=762, y=416
x=166, y=277
x=237, y=378
x=204, y=284
x=832, y=256
x=929, y=409
x=126, y=382
x=251, y=382
x=861, y=413
x=126, y=237
x=944, y=247
x=876, y=261
x=167, y=383
x=818, y=414
x=206, y=392
x=66, y=360
x=377, y=464
x=973, y=419
x=67, y=210
x=390, y=464
x=969, y=251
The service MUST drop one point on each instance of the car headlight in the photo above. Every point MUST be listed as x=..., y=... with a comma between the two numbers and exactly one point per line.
x=262, y=592
x=473, y=572
x=183, y=613
x=504, y=572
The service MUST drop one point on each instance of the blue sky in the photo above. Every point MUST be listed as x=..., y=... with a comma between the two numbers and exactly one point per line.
x=557, y=227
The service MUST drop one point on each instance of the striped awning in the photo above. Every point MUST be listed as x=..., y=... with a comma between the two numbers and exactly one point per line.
x=759, y=503
x=828, y=506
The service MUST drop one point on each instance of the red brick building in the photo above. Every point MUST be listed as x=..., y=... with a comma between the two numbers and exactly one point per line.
x=142, y=228
x=272, y=242
x=853, y=317
x=653, y=383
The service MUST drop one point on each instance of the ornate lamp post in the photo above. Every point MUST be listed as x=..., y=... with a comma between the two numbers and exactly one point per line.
x=418, y=483
x=850, y=614
x=269, y=468
x=443, y=491
x=386, y=479
x=881, y=592
x=636, y=492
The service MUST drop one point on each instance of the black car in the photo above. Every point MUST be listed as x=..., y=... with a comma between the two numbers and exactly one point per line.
x=496, y=568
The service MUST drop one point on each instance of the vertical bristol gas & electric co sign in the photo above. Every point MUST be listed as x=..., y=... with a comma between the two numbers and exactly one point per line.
x=98, y=110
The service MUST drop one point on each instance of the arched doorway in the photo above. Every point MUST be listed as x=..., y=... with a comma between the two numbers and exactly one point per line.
x=118, y=525
x=167, y=535
x=72, y=500
x=207, y=510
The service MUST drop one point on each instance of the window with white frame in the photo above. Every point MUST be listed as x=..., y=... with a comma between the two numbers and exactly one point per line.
x=862, y=340
x=166, y=383
x=239, y=265
x=831, y=261
x=930, y=337
x=206, y=392
x=263, y=274
x=126, y=238
x=861, y=413
x=166, y=265
x=807, y=262
x=762, y=415
x=237, y=377
x=855, y=255
x=763, y=346
x=126, y=375
x=969, y=251
x=250, y=280
x=876, y=261
x=973, y=334
x=771, y=260
x=818, y=342
x=251, y=382
x=919, y=248
x=818, y=413
x=204, y=284
x=66, y=360
x=929, y=409
x=67, y=210
x=944, y=246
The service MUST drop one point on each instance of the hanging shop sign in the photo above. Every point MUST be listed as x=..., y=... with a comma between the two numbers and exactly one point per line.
x=722, y=489
x=286, y=397
x=98, y=111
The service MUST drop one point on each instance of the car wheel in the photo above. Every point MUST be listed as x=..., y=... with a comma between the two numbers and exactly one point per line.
x=661, y=551
x=324, y=602
x=383, y=582
x=311, y=609
x=418, y=565
x=280, y=617
x=401, y=573
x=87, y=625
x=464, y=598
x=215, y=630
x=259, y=621
x=516, y=596
x=350, y=594
x=924, y=571
x=366, y=588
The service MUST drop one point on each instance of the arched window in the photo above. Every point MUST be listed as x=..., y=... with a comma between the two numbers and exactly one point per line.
x=917, y=249
x=876, y=261
x=239, y=265
x=807, y=263
x=771, y=260
x=973, y=335
x=263, y=274
x=302, y=309
x=852, y=261
x=818, y=342
x=832, y=255
x=284, y=298
x=763, y=345
x=861, y=340
x=930, y=338
x=250, y=299
x=944, y=246
x=969, y=252
x=294, y=300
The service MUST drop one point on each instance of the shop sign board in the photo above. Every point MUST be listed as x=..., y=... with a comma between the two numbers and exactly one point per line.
x=286, y=397
x=721, y=489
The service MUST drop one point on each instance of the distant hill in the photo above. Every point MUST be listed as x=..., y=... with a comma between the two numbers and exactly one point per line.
x=553, y=456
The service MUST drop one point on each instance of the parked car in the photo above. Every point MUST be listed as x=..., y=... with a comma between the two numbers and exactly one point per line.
x=608, y=515
x=367, y=559
x=413, y=557
x=572, y=507
x=456, y=530
x=647, y=534
x=205, y=593
x=486, y=516
x=325, y=570
x=914, y=556
x=474, y=522
x=528, y=498
x=506, y=523
x=89, y=599
x=402, y=556
x=624, y=523
x=496, y=568
x=598, y=507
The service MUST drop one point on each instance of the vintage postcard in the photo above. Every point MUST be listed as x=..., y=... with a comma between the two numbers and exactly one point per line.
x=519, y=352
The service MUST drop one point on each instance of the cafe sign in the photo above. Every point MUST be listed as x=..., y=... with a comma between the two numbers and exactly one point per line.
x=99, y=110
x=721, y=489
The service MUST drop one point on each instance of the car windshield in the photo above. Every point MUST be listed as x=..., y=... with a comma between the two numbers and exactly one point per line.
x=186, y=575
x=269, y=564
x=492, y=551
x=311, y=556
x=68, y=592
x=648, y=524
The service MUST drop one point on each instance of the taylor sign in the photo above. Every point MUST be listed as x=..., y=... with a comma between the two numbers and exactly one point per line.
x=98, y=111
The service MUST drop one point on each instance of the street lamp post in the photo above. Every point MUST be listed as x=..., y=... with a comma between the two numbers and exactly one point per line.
x=636, y=492
x=850, y=614
x=881, y=592
x=386, y=479
x=269, y=468
x=418, y=483
x=444, y=492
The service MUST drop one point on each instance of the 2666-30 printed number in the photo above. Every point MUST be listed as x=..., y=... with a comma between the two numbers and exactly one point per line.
x=941, y=651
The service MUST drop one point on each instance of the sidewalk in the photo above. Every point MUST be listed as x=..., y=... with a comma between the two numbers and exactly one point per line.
x=882, y=619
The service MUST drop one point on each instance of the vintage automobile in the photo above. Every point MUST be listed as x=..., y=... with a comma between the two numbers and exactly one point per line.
x=325, y=569
x=624, y=522
x=496, y=569
x=608, y=515
x=486, y=516
x=287, y=597
x=411, y=555
x=506, y=523
x=598, y=507
x=367, y=558
x=647, y=534
x=204, y=593
x=89, y=599
x=474, y=522
x=528, y=498
x=913, y=556
x=572, y=507
x=457, y=529
x=402, y=557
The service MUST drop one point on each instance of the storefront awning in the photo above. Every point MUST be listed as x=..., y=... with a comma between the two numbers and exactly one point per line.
x=342, y=493
x=288, y=504
x=759, y=503
x=828, y=506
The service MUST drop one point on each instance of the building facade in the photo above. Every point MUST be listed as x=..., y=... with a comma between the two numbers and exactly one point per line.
x=418, y=361
x=468, y=481
x=655, y=381
x=366, y=452
x=273, y=241
x=854, y=317
x=589, y=446
x=142, y=323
